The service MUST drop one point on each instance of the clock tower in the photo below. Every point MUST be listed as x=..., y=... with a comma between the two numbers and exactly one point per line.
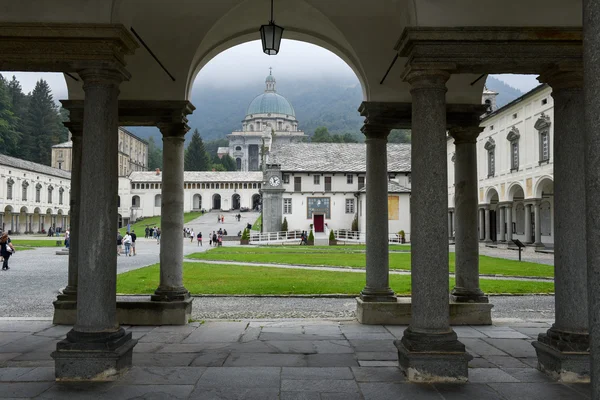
x=272, y=198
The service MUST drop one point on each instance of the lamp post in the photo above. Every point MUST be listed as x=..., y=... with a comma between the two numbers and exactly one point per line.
x=270, y=36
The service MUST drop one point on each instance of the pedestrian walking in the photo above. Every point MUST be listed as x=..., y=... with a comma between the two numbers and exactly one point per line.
x=157, y=235
x=127, y=244
x=147, y=232
x=133, y=239
x=6, y=250
x=218, y=219
x=199, y=238
x=67, y=238
x=222, y=219
x=119, y=243
x=214, y=239
x=192, y=236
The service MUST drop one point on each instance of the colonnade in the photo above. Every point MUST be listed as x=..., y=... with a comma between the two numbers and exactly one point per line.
x=504, y=229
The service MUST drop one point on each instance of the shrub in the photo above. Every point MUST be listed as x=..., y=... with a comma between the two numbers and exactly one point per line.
x=331, y=235
x=401, y=234
x=354, y=224
x=284, y=225
x=311, y=237
x=246, y=234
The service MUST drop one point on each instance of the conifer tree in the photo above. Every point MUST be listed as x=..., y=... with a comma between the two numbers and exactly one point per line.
x=196, y=158
x=9, y=136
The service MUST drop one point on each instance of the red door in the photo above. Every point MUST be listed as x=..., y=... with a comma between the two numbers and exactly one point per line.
x=319, y=223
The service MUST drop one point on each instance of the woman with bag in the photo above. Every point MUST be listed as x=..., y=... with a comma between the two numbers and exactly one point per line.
x=127, y=243
x=6, y=250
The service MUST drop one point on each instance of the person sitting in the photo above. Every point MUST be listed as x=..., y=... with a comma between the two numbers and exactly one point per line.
x=239, y=234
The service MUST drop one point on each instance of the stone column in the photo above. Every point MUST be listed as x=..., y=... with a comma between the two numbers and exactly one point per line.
x=97, y=347
x=502, y=213
x=537, y=223
x=527, y=223
x=171, y=215
x=429, y=349
x=563, y=351
x=481, y=213
x=377, y=287
x=591, y=76
x=451, y=223
x=488, y=230
x=467, y=288
x=509, y=214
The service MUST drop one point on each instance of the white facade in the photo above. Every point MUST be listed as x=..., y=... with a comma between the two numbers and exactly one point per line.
x=33, y=197
x=515, y=168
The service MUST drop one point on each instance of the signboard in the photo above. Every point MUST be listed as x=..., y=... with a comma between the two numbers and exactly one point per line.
x=318, y=205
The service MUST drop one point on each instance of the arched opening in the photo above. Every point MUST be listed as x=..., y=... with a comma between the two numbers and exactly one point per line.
x=516, y=195
x=216, y=202
x=197, y=202
x=157, y=200
x=120, y=221
x=235, y=202
x=545, y=192
x=256, y=203
x=135, y=201
x=118, y=201
x=23, y=222
x=37, y=220
x=494, y=220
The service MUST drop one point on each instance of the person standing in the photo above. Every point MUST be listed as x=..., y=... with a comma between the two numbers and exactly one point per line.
x=127, y=244
x=6, y=250
x=214, y=239
x=218, y=219
x=67, y=238
x=199, y=238
x=192, y=236
x=133, y=239
x=119, y=243
x=147, y=232
x=157, y=235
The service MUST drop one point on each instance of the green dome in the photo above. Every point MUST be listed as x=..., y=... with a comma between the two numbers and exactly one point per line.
x=270, y=78
x=270, y=102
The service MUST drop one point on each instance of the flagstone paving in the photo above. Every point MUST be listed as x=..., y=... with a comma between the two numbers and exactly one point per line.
x=280, y=359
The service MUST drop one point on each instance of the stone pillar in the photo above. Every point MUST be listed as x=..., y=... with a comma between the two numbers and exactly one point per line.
x=509, y=214
x=97, y=347
x=591, y=76
x=537, y=223
x=527, y=223
x=502, y=213
x=377, y=288
x=481, y=213
x=429, y=349
x=171, y=215
x=563, y=352
x=488, y=230
x=18, y=222
x=467, y=288
x=450, y=223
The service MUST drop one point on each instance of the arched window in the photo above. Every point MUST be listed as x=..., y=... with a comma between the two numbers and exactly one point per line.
x=38, y=190
x=218, y=186
x=157, y=200
x=50, y=190
x=204, y=186
x=60, y=195
x=24, y=187
x=245, y=186
x=251, y=128
x=490, y=146
x=9, y=188
x=135, y=201
x=513, y=137
x=542, y=125
x=254, y=186
x=238, y=148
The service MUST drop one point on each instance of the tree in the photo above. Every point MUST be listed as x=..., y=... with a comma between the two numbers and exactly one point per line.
x=9, y=137
x=218, y=167
x=43, y=126
x=196, y=158
x=399, y=136
x=284, y=225
x=321, y=135
x=19, y=105
x=213, y=146
x=155, y=159
x=228, y=163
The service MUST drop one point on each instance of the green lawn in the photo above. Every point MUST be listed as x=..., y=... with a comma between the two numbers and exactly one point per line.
x=336, y=256
x=140, y=226
x=233, y=279
x=21, y=243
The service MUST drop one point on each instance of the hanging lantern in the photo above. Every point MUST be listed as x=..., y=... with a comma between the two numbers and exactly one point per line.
x=270, y=35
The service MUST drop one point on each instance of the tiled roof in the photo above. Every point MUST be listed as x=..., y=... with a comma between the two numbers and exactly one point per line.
x=393, y=187
x=335, y=157
x=34, y=167
x=64, y=145
x=202, y=176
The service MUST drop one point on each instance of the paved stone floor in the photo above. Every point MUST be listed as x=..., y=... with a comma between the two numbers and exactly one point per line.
x=279, y=359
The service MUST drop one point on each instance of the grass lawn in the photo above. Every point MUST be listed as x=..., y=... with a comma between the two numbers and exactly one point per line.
x=22, y=243
x=233, y=279
x=335, y=256
x=140, y=226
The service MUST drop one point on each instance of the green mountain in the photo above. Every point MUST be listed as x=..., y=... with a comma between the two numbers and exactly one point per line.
x=506, y=93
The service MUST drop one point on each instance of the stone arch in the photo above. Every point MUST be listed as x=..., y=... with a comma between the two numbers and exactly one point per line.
x=23, y=210
x=544, y=186
x=256, y=201
x=216, y=201
x=515, y=192
x=490, y=194
x=235, y=202
x=197, y=202
x=546, y=218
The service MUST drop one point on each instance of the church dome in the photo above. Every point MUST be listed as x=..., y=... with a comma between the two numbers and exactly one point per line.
x=270, y=102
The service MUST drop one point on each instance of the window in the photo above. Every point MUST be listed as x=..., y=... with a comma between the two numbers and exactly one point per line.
x=50, y=189
x=60, y=195
x=328, y=183
x=286, y=178
x=513, y=138
x=24, y=187
x=38, y=190
x=9, y=188
x=542, y=125
x=544, y=102
x=317, y=179
x=490, y=146
x=361, y=182
x=59, y=165
x=297, y=183
x=287, y=206
x=238, y=148
x=135, y=201
x=515, y=115
x=349, y=206
x=349, y=179
x=157, y=200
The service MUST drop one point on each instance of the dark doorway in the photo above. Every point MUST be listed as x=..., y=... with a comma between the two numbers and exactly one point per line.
x=253, y=157
x=216, y=202
x=493, y=227
x=319, y=221
x=255, y=201
x=235, y=202
x=532, y=238
x=238, y=164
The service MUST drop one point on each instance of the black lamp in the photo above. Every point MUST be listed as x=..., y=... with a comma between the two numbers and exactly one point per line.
x=270, y=35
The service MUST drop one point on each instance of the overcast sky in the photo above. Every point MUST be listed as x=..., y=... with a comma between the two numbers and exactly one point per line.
x=295, y=59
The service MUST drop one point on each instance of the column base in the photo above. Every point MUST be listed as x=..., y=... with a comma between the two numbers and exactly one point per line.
x=164, y=295
x=399, y=312
x=433, y=357
x=65, y=310
x=383, y=296
x=460, y=295
x=564, y=356
x=93, y=357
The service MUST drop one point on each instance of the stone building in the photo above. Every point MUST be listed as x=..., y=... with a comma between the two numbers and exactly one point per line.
x=515, y=165
x=133, y=154
x=34, y=197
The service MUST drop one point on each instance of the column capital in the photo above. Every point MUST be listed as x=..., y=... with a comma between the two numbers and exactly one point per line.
x=102, y=77
x=466, y=134
x=75, y=122
x=173, y=130
x=427, y=78
x=375, y=131
x=563, y=77
x=394, y=115
x=450, y=209
x=484, y=207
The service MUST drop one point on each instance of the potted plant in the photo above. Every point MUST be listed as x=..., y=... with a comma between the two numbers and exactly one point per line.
x=284, y=225
x=332, y=240
x=245, y=237
x=311, y=239
x=402, y=236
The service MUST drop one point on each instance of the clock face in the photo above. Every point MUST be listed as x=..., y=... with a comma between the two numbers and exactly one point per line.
x=274, y=181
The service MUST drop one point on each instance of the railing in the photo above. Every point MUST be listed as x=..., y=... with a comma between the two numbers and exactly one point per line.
x=272, y=237
x=343, y=235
